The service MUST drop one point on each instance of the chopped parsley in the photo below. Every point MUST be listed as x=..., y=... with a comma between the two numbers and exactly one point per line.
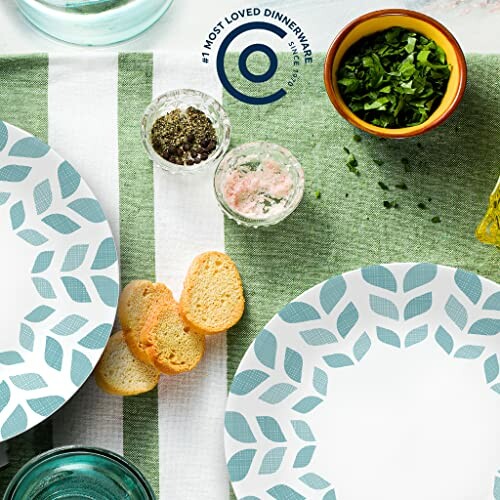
x=383, y=186
x=347, y=150
x=402, y=186
x=436, y=219
x=352, y=164
x=356, y=138
x=422, y=206
x=391, y=204
x=317, y=194
x=378, y=162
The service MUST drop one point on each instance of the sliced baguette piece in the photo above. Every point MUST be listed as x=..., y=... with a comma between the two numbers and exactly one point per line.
x=120, y=373
x=212, y=300
x=136, y=302
x=171, y=346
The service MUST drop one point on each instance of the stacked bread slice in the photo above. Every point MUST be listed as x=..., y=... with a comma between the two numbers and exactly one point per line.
x=161, y=336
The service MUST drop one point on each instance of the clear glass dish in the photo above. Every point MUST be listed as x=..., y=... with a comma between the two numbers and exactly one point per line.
x=182, y=99
x=261, y=177
x=93, y=22
x=79, y=472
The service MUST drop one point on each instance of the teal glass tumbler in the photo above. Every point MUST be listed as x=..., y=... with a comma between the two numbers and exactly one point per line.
x=76, y=472
x=93, y=22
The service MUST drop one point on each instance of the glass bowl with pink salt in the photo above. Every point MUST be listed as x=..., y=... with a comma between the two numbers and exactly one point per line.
x=259, y=184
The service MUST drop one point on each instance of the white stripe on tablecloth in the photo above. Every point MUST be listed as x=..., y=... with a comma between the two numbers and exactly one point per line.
x=188, y=222
x=83, y=128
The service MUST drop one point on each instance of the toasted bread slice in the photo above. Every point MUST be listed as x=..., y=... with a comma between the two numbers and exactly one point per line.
x=169, y=343
x=136, y=302
x=212, y=300
x=120, y=373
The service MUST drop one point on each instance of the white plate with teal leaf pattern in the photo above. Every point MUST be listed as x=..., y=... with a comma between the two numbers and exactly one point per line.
x=381, y=384
x=58, y=281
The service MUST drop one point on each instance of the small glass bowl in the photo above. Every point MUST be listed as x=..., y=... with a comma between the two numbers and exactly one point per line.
x=251, y=157
x=183, y=98
x=79, y=472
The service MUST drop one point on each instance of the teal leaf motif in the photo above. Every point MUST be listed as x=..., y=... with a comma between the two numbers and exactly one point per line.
x=89, y=209
x=272, y=461
x=74, y=258
x=28, y=381
x=32, y=237
x=17, y=215
x=265, y=346
x=44, y=288
x=388, y=337
x=320, y=381
x=318, y=336
x=53, y=353
x=419, y=275
x=284, y=492
x=293, y=364
x=304, y=457
x=106, y=255
x=237, y=427
x=239, y=464
x=383, y=307
x=380, y=277
x=10, y=358
x=246, y=381
x=330, y=495
x=307, y=404
x=469, y=352
x=314, y=481
x=15, y=423
x=26, y=337
x=69, y=179
x=61, y=223
x=69, y=325
x=338, y=360
x=46, y=406
x=76, y=289
x=331, y=293
x=485, y=326
x=42, y=262
x=277, y=393
x=491, y=368
x=456, y=312
x=303, y=430
x=492, y=302
x=444, y=339
x=40, y=313
x=29, y=147
x=107, y=289
x=362, y=346
x=14, y=173
x=416, y=336
x=81, y=368
x=470, y=284
x=298, y=312
x=271, y=429
x=418, y=305
x=4, y=197
x=347, y=319
x=97, y=338
x=4, y=395
x=4, y=135
x=42, y=196
x=496, y=388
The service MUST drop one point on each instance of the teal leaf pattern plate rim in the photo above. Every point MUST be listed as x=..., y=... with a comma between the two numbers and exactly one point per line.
x=60, y=281
x=290, y=369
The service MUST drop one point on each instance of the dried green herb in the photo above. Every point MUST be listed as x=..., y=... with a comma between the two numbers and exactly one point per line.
x=378, y=162
x=356, y=138
x=436, y=219
x=347, y=150
x=422, y=206
x=391, y=204
x=317, y=194
x=184, y=137
x=352, y=164
x=394, y=78
x=402, y=186
x=383, y=186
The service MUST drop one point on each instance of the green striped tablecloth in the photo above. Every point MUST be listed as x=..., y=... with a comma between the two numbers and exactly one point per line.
x=89, y=109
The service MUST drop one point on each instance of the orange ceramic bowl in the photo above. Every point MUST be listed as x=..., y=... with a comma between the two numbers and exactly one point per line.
x=381, y=20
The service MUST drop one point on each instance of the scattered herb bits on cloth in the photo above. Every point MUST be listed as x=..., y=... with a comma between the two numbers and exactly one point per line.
x=184, y=137
x=394, y=78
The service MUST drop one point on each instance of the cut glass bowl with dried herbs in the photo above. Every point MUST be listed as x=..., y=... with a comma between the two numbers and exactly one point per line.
x=395, y=78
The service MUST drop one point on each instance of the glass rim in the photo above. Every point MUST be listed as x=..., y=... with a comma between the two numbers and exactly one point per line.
x=294, y=167
x=31, y=464
x=174, y=168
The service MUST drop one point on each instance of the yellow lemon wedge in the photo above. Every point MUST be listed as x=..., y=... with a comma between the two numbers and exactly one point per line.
x=488, y=230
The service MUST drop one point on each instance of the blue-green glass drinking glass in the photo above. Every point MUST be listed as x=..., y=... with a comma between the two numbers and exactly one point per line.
x=76, y=472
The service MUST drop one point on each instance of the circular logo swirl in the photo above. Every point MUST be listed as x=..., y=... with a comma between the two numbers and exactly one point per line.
x=243, y=59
